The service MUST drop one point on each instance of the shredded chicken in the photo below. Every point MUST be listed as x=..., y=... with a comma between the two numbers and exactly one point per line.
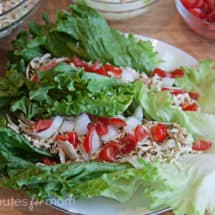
x=178, y=142
x=36, y=63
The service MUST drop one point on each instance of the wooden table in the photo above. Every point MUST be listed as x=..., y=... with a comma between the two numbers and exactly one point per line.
x=161, y=22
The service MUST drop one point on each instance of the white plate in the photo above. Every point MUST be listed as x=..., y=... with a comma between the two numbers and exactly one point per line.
x=173, y=58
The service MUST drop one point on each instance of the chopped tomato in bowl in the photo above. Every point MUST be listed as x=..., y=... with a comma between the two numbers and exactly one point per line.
x=199, y=15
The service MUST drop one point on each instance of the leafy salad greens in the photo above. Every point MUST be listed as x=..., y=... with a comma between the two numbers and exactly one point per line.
x=87, y=35
x=69, y=91
x=186, y=187
x=201, y=80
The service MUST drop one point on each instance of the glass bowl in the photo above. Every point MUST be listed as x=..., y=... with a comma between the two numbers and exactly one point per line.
x=200, y=26
x=13, y=17
x=120, y=9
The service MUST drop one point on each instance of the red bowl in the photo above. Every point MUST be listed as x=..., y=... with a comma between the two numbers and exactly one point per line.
x=198, y=25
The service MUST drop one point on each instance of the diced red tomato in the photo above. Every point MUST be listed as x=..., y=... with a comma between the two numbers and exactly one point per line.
x=202, y=145
x=140, y=133
x=72, y=137
x=178, y=73
x=35, y=79
x=211, y=17
x=210, y=4
x=204, y=9
x=194, y=95
x=115, y=70
x=116, y=122
x=48, y=66
x=101, y=71
x=190, y=107
x=101, y=124
x=42, y=125
x=78, y=62
x=197, y=12
x=88, y=139
x=61, y=137
x=160, y=73
x=159, y=132
x=110, y=151
x=174, y=91
x=129, y=143
x=101, y=127
x=199, y=4
x=189, y=3
x=96, y=67
x=178, y=92
x=48, y=161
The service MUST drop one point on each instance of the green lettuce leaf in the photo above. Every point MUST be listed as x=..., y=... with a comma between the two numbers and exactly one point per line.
x=120, y=185
x=3, y=122
x=16, y=152
x=65, y=90
x=84, y=33
x=37, y=182
x=201, y=80
x=11, y=86
x=191, y=184
x=158, y=106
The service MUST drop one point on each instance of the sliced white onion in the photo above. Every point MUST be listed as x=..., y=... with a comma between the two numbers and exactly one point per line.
x=169, y=144
x=133, y=161
x=188, y=140
x=68, y=125
x=62, y=156
x=84, y=155
x=81, y=123
x=112, y=134
x=129, y=75
x=96, y=142
x=56, y=123
x=168, y=82
x=138, y=113
x=132, y=123
x=69, y=149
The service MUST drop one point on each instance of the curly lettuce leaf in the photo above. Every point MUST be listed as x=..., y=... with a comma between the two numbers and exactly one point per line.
x=65, y=90
x=187, y=187
x=191, y=185
x=3, y=122
x=120, y=185
x=11, y=86
x=84, y=33
x=201, y=80
x=37, y=182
